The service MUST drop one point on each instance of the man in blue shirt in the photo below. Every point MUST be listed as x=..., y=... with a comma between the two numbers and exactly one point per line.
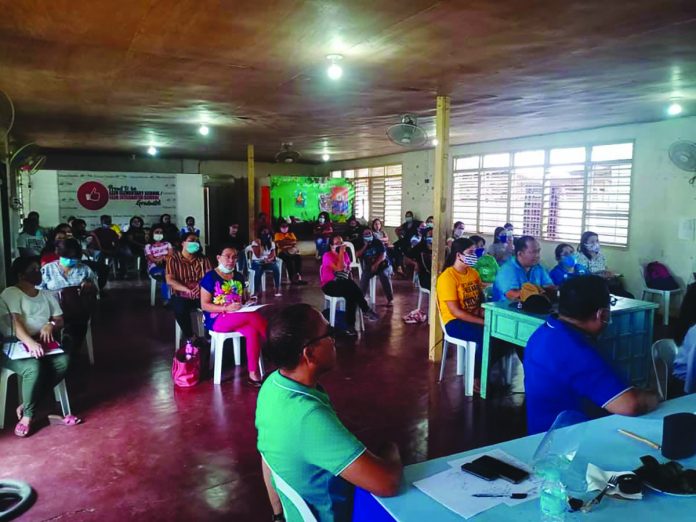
x=521, y=269
x=373, y=257
x=562, y=368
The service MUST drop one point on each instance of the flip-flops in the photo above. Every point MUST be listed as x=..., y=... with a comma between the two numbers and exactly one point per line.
x=68, y=420
x=21, y=430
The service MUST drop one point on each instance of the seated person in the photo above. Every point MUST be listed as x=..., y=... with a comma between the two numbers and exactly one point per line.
x=379, y=232
x=486, y=265
x=76, y=286
x=502, y=248
x=235, y=239
x=336, y=281
x=133, y=242
x=106, y=241
x=286, y=242
x=79, y=232
x=183, y=273
x=263, y=222
x=156, y=252
x=30, y=241
x=171, y=232
x=562, y=368
x=300, y=437
x=222, y=296
x=685, y=337
x=60, y=233
x=354, y=232
x=567, y=266
x=459, y=296
x=479, y=249
x=190, y=228
x=523, y=268
x=457, y=232
x=37, y=320
x=424, y=258
x=591, y=257
x=263, y=257
x=402, y=245
x=322, y=233
x=374, y=262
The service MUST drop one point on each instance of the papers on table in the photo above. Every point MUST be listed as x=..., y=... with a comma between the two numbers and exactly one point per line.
x=454, y=488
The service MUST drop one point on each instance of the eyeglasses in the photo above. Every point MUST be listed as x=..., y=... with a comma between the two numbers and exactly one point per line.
x=330, y=333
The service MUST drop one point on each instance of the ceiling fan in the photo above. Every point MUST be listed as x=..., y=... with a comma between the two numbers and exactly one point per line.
x=683, y=155
x=287, y=155
x=407, y=133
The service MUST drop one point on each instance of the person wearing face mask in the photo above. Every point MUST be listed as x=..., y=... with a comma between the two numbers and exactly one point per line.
x=322, y=233
x=567, y=266
x=30, y=241
x=106, y=240
x=76, y=286
x=402, y=246
x=156, y=252
x=590, y=256
x=263, y=258
x=336, y=281
x=486, y=265
x=521, y=269
x=37, y=319
x=190, y=228
x=354, y=232
x=373, y=258
x=289, y=253
x=501, y=249
x=223, y=308
x=457, y=232
x=183, y=273
x=576, y=376
x=48, y=254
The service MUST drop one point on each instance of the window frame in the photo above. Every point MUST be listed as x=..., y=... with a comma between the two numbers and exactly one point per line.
x=588, y=165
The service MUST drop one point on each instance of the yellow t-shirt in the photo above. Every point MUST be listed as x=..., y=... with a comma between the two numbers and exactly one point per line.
x=463, y=287
x=279, y=236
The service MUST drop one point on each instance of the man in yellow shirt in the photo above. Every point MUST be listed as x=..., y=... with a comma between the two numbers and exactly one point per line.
x=286, y=242
x=459, y=296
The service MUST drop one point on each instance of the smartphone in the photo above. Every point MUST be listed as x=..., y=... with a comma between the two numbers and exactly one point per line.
x=504, y=470
x=481, y=468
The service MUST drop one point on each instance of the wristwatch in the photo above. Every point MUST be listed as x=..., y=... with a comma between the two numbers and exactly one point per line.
x=52, y=323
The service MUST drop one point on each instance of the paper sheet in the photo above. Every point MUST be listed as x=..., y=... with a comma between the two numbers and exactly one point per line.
x=17, y=350
x=251, y=308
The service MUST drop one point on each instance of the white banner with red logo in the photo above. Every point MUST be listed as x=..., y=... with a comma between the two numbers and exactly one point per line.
x=122, y=195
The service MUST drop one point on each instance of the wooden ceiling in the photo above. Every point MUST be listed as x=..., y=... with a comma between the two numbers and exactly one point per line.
x=116, y=75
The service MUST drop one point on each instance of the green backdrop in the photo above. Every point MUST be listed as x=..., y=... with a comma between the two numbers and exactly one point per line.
x=304, y=197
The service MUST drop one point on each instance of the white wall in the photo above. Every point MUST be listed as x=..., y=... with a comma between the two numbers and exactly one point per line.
x=661, y=195
x=43, y=196
x=190, y=201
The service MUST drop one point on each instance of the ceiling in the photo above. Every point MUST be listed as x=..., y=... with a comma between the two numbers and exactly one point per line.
x=117, y=75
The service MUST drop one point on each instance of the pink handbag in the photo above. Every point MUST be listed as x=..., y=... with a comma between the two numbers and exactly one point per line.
x=186, y=369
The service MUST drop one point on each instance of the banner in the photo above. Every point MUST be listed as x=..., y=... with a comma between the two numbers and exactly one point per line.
x=122, y=195
x=304, y=197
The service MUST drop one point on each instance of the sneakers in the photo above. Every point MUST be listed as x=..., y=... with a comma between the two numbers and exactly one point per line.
x=370, y=315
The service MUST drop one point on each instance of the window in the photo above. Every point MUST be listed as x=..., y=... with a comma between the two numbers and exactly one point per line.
x=377, y=193
x=554, y=193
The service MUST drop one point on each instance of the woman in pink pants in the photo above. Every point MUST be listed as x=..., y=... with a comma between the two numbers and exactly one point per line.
x=222, y=296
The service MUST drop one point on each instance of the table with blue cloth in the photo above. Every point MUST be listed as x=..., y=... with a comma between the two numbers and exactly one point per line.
x=625, y=343
x=602, y=445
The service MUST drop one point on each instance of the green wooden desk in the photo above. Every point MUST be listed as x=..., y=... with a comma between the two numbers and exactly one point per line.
x=625, y=343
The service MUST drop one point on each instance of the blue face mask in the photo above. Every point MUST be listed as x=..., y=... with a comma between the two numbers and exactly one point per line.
x=429, y=240
x=193, y=247
x=479, y=252
x=67, y=262
x=502, y=238
x=367, y=239
x=568, y=261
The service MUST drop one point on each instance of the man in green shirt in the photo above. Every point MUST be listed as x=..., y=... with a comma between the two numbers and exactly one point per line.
x=300, y=437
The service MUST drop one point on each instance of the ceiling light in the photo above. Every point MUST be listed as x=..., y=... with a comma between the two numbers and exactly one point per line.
x=204, y=130
x=152, y=150
x=325, y=157
x=674, y=109
x=334, y=71
x=435, y=142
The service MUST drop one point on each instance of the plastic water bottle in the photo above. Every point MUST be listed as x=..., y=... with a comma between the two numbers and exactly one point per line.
x=553, y=498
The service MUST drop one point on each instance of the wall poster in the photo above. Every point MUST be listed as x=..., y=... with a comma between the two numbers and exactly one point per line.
x=304, y=197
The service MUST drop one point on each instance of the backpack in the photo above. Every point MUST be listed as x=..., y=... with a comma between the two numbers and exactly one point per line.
x=658, y=277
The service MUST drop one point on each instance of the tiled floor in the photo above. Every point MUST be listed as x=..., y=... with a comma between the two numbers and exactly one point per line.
x=150, y=452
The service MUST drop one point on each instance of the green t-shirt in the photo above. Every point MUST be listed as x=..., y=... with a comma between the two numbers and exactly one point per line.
x=305, y=443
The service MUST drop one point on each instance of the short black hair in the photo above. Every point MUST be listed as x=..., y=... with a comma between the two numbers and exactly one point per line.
x=103, y=217
x=582, y=297
x=477, y=239
x=288, y=332
x=521, y=243
x=69, y=248
x=225, y=246
x=559, y=250
x=20, y=265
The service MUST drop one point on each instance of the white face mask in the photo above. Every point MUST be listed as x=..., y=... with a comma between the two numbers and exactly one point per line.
x=321, y=220
x=458, y=232
x=222, y=268
x=158, y=237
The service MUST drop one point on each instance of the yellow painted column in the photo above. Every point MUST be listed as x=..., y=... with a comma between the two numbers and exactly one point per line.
x=251, y=192
x=442, y=209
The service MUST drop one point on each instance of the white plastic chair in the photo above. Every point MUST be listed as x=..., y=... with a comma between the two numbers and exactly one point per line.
x=354, y=262
x=293, y=496
x=60, y=391
x=421, y=292
x=252, y=290
x=217, y=344
x=466, y=358
x=339, y=303
x=664, y=295
x=664, y=350
x=690, y=382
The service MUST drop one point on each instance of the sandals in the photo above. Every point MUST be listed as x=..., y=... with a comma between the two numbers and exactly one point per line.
x=22, y=430
x=68, y=420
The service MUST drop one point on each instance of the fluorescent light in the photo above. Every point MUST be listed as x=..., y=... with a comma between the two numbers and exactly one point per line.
x=203, y=130
x=435, y=142
x=325, y=157
x=674, y=109
x=334, y=71
x=152, y=150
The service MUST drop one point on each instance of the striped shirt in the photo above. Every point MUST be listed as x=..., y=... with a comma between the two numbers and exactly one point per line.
x=188, y=272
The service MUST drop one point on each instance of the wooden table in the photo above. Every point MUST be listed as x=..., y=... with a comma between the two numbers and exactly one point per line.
x=625, y=343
